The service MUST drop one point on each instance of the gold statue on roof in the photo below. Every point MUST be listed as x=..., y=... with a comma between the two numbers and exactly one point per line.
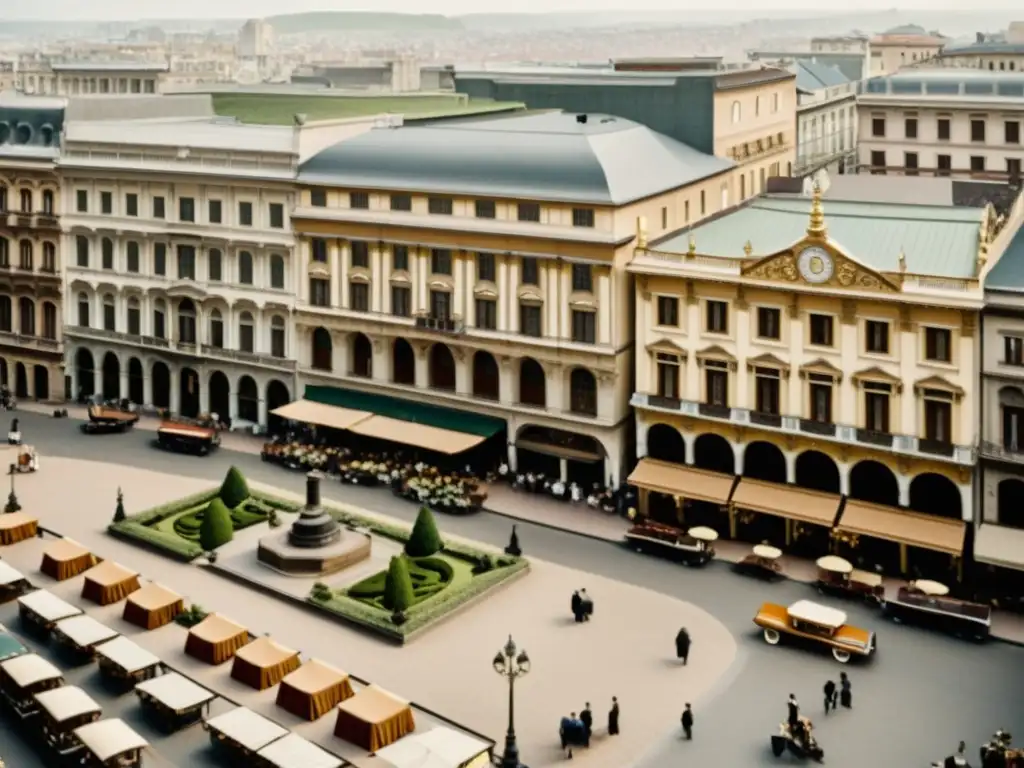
x=692, y=249
x=816, y=227
x=748, y=248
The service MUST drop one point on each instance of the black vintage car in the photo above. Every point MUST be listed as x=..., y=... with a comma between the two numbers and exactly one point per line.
x=188, y=436
x=927, y=603
x=694, y=547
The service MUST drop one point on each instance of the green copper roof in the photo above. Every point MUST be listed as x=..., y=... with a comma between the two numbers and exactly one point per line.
x=1008, y=273
x=940, y=241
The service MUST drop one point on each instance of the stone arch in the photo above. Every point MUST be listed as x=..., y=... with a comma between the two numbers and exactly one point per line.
x=49, y=320
x=220, y=395
x=85, y=372
x=4, y=374
x=533, y=383
x=187, y=321
x=1010, y=508
x=874, y=482
x=27, y=316
x=161, y=385
x=41, y=382
x=246, y=331
x=111, y=379
x=20, y=380
x=666, y=443
x=764, y=461
x=817, y=471
x=188, y=392
x=711, y=451
x=322, y=350
x=583, y=392
x=403, y=363
x=935, y=494
x=136, y=381
x=277, y=396
x=361, y=363
x=486, y=378
x=441, y=368
x=248, y=399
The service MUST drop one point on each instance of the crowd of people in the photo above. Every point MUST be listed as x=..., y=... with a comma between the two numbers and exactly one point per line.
x=594, y=496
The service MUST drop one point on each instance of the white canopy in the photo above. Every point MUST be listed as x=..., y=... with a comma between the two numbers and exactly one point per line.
x=293, y=751
x=84, y=631
x=246, y=728
x=127, y=655
x=48, y=606
x=815, y=613
x=175, y=691
x=29, y=669
x=109, y=738
x=703, y=533
x=767, y=551
x=67, y=702
x=439, y=747
x=929, y=587
x=834, y=563
x=9, y=575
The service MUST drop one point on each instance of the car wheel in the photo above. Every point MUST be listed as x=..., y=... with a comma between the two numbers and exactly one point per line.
x=772, y=636
x=843, y=657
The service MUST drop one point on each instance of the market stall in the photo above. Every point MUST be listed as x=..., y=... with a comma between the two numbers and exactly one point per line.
x=374, y=718
x=215, y=639
x=152, y=606
x=313, y=690
x=173, y=701
x=12, y=582
x=241, y=733
x=81, y=634
x=16, y=527
x=111, y=743
x=293, y=751
x=65, y=559
x=439, y=746
x=63, y=710
x=109, y=583
x=122, y=661
x=262, y=663
x=24, y=676
x=42, y=609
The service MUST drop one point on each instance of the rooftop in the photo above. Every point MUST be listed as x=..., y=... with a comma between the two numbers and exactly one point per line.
x=108, y=66
x=947, y=83
x=940, y=241
x=558, y=156
x=812, y=76
x=190, y=133
x=608, y=75
x=29, y=127
x=1008, y=272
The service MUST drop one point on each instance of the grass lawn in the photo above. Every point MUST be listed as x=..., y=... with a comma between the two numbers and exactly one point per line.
x=187, y=522
x=428, y=579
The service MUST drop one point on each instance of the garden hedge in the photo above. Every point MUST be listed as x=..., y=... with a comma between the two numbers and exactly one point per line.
x=398, y=594
x=235, y=489
x=424, y=540
x=217, y=528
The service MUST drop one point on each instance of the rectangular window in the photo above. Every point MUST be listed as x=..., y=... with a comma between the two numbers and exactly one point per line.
x=767, y=391
x=359, y=297
x=318, y=198
x=703, y=203
x=878, y=162
x=276, y=216
x=977, y=130
x=440, y=261
x=215, y=210
x=528, y=212
x=159, y=324
x=910, y=163
x=400, y=258
x=186, y=262
x=878, y=127
x=1013, y=350
x=360, y=254
x=109, y=317
x=160, y=259
x=530, y=320
x=769, y=323
x=186, y=209
x=582, y=278
x=487, y=314
x=134, y=321
x=277, y=343
x=938, y=344
x=821, y=399
x=401, y=301
x=246, y=337
x=485, y=268
x=214, y=265
x=716, y=317
x=359, y=200
x=440, y=305
x=106, y=202
x=938, y=418
x=401, y=203
x=82, y=201
x=943, y=129
x=977, y=162
x=584, y=327
x=584, y=217
x=876, y=407
x=1013, y=423
x=668, y=375
x=107, y=253
x=821, y=330
x=944, y=164
x=910, y=127
x=132, y=256
x=877, y=337
x=439, y=206
x=716, y=383
x=318, y=250
x=159, y=208
x=668, y=311
x=131, y=204
x=319, y=292
x=1011, y=132
x=81, y=251
x=245, y=214
x=1013, y=168
x=485, y=209
x=530, y=271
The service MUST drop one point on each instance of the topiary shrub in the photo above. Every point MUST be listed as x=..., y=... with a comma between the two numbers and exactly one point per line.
x=119, y=513
x=321, y=592
x=234, y=490
x=424, y=539
x=398, y=595
x=216, y=528
x=191, y=616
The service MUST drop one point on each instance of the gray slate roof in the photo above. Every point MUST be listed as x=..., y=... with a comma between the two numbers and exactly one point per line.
x=812, y=76
x=537, y=156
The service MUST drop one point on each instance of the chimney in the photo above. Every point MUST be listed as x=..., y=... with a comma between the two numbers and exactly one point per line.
x=313, y=490
x=581, y=119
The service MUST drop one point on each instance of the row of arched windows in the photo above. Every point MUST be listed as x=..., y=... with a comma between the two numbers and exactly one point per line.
x=26, y=200
x=26, y=255
x=26, y=325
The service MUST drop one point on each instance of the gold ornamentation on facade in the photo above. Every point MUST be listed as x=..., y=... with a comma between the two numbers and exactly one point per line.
x=748, y=248
x=848, y=311
x=692, y=248
x=816, y=227
x=776, y=269
x=968, y=321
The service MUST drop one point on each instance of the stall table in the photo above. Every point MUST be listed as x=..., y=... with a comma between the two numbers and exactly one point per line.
x=63, y=710
x=313, y=690
x=124, y=662
x=438, y=746
x=111, y=743
x=152, y=606
x=293, y=751
x=12, y=581
x=173, y=700
x=65, y=559
x=24, y=676
x=42, y=609
x=215, y=639
x=81, y=635
x=109, y=583
x=16, y=527
x=374, y=718
x=262, y=663
x=242, y=733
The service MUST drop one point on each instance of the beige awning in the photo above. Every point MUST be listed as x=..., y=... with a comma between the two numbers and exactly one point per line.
x=322, y=415
x=417, y=435
x=787, y=501
x=941, y=534
x=680, y=480
x=996, y=545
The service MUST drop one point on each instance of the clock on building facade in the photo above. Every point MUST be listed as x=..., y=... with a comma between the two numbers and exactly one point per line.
x=815, y=265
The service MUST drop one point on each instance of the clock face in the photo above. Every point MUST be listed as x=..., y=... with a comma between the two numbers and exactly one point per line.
x=815, y=265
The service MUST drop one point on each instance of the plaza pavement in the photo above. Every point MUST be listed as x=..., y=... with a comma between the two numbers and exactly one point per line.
x=626, y=651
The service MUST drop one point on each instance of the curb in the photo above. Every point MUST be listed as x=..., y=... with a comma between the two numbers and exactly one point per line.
x=550, y=526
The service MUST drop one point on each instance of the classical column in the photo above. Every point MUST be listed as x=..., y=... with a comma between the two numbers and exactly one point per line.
x=641, y=439
x=381, y=359
x=688, y=443
x=966, y=501
x=175, y=389
x=506, y=380
x=262, y=410
x=123, y=383
x=505, y=295
x=790, y=466
x=903, y=481
x=738, y=454
x=604, y=308
x=147, y=386
x=513, y=459
x=422, y=375
x=343, y=257
x=844, y=477
x=463, y=364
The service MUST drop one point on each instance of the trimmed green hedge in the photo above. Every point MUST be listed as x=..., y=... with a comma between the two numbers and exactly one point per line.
x=424, y=540
x=165, y=543
x=427, y=576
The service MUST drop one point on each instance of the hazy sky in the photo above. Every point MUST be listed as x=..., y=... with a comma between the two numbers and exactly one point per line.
x=67, y=10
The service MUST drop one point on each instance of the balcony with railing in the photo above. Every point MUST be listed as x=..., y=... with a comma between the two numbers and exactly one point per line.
x=1007, y=451
x=23, y=341
x=909, y=445
x=442, y=323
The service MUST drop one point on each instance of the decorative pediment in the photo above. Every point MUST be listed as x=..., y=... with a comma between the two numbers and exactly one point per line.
x=811, y=263
x=822, y=367
x=530, y=295
x=767, y=361
x=400, y=278
x=186, y=288
x=440, y=285
x=666, y=346
x=878, y=375
x=718, y=354
x=588, y=305
x=318, y=269
x=939, y=383
x=359, y=277
x=485, y=292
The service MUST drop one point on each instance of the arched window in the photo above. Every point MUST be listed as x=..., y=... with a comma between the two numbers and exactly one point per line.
x=583, y=392
x=323, y=350
x=83, y=310
x=4, y=252
x=277, y=337
x=245, y=268
x=186, y=322
x=5, y=314
x=246, y=333
x=160, y=319
x=82, y=251
x=49, y=320
x=216, y=329
x=215, y=265
x=25, y=257
x=48, y=202
x=737, y=112
x=26, y=201
x=107, y=251
x=27, y=311
x=132, y=256
x=134, y=316
x=49, y=258
x=109, y=313
x=277, y=271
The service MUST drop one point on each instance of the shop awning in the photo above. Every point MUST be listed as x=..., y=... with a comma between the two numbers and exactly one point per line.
x=941, y=534
x=558, y=451
x=309, y=412
x=417, y=435
x=787, y=501
x=996, y=545
x=680, y=480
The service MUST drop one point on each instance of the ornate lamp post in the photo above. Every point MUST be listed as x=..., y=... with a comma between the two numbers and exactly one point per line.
x=511, y=665
x=12, y=499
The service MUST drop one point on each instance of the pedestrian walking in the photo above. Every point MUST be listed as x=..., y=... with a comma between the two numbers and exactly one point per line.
x=577, y=606
x=845, y=693
x=683, y=645
x=830, y=696
x=613, y=718
x=587, y=718
x=688, y=722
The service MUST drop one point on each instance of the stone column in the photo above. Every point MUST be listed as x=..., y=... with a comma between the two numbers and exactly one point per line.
x=966, y=502
x=422, y=374
x=262, y=409
x=204, y=396
x=175, y=389
x=790, y=466
x=513, y=458
x=641, y=439
x=844, y=478
x=123, y=383
x=903, y=481
x=463, y=366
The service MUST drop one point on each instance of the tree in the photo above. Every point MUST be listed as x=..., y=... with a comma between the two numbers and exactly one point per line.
x=424, y=540
x=234, y=490
x=216, y=528
x=398, y=595
x=119, y=514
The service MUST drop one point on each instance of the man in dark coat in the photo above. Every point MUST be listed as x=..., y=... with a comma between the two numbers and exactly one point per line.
x=830, y=696
x=577, y=606
x=587, y=718
x=613, y=718
x=683, y=645
x=688, y=722
x=845, y=694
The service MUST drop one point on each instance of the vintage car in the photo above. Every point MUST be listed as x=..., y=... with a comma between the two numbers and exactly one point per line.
x=928, y=603
x=694, y=547
x=815, y=624
x=801, y=744
x=198, y=436
x=104, y=419
x=837, y=576
x=763, y=562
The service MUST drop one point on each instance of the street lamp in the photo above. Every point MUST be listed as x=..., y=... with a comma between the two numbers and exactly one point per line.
x=12, y=499
x=511, y=665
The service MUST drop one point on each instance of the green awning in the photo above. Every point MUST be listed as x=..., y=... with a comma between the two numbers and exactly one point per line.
x=407, y=410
